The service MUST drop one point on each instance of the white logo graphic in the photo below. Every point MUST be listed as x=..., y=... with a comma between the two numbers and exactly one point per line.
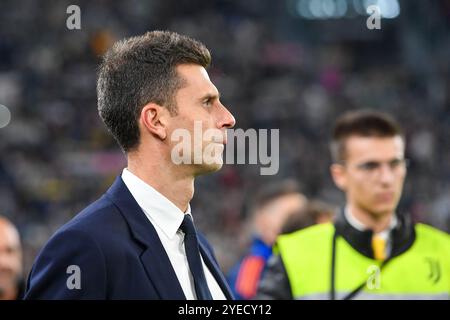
x=374, y=281
x=74, y=280
x=5, y=116
x=74, y=20
x=374, y=20
x=207, y=147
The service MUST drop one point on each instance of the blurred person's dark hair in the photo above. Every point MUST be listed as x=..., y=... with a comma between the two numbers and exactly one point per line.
x=314, y=212
x=365, y=123
x=270, y=192
x=140, y=70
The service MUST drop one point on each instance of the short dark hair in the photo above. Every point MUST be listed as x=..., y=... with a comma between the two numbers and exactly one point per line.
x=139, y=70
x=308, y=216
x=274, y=191
x=365, y=123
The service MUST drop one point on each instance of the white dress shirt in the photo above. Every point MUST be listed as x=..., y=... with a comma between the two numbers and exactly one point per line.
x=166, y=217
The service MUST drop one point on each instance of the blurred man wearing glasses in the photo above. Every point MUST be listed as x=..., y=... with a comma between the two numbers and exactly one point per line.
x=371, y=251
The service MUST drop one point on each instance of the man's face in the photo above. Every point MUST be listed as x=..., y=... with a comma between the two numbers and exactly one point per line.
x=201, y=113
x=373, y=173
x=10, y=256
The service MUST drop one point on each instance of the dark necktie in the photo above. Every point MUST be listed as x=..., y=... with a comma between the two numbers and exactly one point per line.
x=194, y=260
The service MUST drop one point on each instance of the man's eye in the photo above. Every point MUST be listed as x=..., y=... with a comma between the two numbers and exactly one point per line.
x=395, y=163
x=208, y=101
x=369, y=166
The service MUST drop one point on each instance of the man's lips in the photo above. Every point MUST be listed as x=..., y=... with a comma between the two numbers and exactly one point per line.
x=385, y=196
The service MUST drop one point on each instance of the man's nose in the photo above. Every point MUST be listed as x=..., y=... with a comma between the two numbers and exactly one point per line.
x=226, y=119
x=387, y=174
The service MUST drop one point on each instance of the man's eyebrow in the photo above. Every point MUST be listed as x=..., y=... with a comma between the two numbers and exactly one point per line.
x=210, y=96
x=387, y=161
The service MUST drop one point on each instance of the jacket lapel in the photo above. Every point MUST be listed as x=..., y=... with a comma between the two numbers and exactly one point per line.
x=215, y=270
x=154, y=258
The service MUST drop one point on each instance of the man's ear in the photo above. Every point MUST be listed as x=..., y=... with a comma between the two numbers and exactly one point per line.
x=339, y=175
x=154, y=119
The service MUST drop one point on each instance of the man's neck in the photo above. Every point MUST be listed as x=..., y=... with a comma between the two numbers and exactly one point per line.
x=375, y=223
x=164, y=178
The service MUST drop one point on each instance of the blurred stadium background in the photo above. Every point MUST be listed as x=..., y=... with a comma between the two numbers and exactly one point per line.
x=288, y=64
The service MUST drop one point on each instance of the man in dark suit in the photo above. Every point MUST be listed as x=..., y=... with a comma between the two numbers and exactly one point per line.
x=138, y=241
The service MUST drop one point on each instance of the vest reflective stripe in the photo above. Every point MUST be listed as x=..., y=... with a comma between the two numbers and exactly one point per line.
x=423, y=270
x=370, y=296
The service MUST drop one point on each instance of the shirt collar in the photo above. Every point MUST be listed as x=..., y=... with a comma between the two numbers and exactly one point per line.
x=358, y=225
x=158, y=209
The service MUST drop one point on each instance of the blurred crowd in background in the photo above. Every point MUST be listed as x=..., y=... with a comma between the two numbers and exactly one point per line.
x=275, y=70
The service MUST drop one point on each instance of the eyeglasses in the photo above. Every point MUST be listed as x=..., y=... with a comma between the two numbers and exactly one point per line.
x=370, y=167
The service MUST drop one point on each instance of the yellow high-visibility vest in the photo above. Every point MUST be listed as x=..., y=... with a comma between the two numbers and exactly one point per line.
x=421, y=272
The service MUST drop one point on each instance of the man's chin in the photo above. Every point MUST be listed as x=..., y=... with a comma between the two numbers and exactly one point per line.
x=382, y=211
x=204, y=168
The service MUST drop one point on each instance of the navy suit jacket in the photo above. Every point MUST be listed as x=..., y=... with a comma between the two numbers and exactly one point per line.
x=118, y=253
